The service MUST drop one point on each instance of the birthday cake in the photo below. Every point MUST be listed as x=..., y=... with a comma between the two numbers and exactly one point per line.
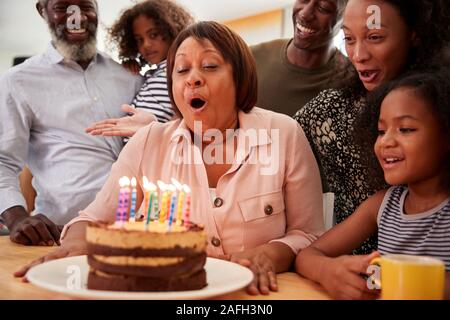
x=133, y=256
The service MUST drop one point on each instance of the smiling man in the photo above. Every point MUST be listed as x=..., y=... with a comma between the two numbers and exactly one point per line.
x=293, y=71
x=45, y=104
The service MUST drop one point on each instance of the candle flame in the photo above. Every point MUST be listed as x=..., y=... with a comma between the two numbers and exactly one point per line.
x=162, y=186
x=145, y=180
x=150, y=186
x=124, y=182
x=177, y=184
x=186, y=188
x=171, y=187
x=133, y=182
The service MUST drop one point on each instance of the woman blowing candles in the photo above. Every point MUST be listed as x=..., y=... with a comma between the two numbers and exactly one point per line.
x=410, y=33
x=255, y=183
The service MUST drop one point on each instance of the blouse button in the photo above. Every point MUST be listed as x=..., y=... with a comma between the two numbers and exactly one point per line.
x=218, y=202
x=268, y=210
x=215, y=242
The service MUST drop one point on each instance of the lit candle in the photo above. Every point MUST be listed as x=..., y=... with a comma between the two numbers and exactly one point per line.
x=164, y=196
x=187, y=210
x=126, y=201
x=170, y=190
x=147, y=222
x=156, y=200
x=149, y=188
x=173, y=192
x=180, y=208
x=124, y=194
x=133, y=200
x=179, y=187
x=146, y=196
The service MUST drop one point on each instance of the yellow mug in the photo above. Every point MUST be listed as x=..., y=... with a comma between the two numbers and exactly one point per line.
x=407, y=277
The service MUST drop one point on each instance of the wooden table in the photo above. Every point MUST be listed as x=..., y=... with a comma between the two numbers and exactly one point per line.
x=13, y=256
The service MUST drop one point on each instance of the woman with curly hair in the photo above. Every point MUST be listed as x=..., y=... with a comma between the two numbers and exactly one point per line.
x=409, y=35
x=407, y=124
x=143, y=35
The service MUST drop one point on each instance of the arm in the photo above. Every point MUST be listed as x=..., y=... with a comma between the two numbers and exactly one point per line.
x=304, y=219
x=15, y=125
x=156, y=88
x=103, y=208
x=324, y=262
x=74, y=245
x=122, y=127
x=302, y=194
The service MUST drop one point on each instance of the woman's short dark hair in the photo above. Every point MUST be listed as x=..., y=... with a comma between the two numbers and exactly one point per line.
x=169, y=17
x=234, y=51
x=431, y=85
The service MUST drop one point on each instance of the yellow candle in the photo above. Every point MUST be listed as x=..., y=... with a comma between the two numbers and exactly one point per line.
x=179, y=188
x=163, y=188
x=187, y=209
x=180, y=208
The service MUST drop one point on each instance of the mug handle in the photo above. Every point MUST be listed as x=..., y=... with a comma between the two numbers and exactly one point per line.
x=375, y=278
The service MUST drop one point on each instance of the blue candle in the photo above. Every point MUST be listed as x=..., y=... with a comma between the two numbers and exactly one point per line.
x=133, y=200
x=172, y=209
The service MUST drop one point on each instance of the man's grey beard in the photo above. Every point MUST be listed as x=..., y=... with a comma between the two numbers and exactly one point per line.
x=74, y=52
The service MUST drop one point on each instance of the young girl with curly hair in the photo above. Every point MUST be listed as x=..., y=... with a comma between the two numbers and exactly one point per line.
x=407, y=124
x=143, y=35
x=410, y=34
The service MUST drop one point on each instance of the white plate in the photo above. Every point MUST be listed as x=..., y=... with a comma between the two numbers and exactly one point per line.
x=64, y=275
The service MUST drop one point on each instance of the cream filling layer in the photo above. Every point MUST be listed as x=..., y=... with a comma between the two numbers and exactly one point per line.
x=139, y=261
x=123, y=239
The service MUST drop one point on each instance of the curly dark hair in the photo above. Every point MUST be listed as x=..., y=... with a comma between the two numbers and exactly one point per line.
x=168, y=16
x=431, y=85
x=429, y=19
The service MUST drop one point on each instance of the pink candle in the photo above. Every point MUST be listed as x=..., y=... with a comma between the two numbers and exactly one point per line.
x=124, y=195
x=126, y=200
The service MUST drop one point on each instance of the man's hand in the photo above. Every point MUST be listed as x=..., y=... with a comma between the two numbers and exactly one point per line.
x=122, y=127
x=31, y=230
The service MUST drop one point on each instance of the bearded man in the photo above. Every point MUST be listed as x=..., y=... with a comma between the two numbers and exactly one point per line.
x=45, y=104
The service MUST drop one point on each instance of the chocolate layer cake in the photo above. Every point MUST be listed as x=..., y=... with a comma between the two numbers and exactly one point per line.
x=130, y=258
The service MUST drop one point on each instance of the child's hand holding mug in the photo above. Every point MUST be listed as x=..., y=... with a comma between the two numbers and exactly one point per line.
x=342, y=277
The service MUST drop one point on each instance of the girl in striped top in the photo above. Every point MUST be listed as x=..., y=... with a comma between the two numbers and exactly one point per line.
x=143, y=35
x=408, y=122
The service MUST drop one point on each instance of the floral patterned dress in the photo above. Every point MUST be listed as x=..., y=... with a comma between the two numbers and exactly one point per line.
x=327, y=121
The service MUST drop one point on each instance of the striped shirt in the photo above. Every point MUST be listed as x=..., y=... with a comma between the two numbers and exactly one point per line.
x=426, y=233
x=153, y=95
